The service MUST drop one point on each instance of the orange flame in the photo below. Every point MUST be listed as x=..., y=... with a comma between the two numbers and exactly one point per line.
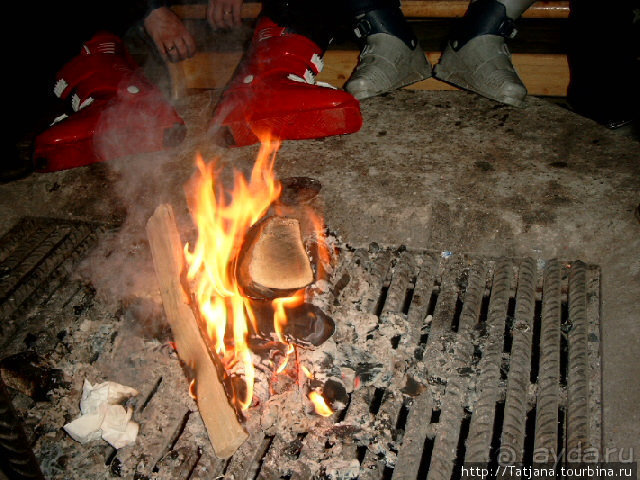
x=306, y=372
x=319, y=404
x=222, y=221
x=223, y=218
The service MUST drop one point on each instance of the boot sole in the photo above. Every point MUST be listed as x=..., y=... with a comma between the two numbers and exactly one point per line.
x=369, y=93
x=299, y=125
x=460, y=82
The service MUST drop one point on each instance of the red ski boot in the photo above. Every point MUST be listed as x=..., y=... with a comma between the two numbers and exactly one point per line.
x=116, y=110
x=275, y=92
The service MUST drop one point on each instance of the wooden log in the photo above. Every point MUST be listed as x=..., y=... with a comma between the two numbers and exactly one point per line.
x=224, y=429
x=273, y=261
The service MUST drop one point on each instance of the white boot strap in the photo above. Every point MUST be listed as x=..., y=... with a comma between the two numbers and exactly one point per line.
x=60, y=87
x=78, y=105
x=317, y=62
x=309, y=77
x=59, y=119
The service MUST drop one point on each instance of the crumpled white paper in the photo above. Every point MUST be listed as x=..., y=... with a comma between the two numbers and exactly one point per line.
x=103, y=416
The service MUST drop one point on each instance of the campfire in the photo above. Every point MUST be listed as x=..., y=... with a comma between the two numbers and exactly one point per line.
x=435, y=359
x=243, y=293
x=420, y=371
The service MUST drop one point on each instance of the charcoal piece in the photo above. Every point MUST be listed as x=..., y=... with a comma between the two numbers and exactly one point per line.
x=299, y=190
x=334, y=393
x=27, y=373
x=368, y=371
x=412, y=387
x=307, y=324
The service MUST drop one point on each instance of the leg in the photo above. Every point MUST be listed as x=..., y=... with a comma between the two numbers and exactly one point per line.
x=390, y=55
x=274, y=89
x=476, y=57
x=115, y=110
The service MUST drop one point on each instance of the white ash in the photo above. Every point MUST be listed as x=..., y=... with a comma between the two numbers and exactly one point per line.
x=358, y=356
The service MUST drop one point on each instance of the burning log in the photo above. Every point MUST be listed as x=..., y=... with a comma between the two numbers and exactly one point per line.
x=273, y=261
x=225, y=431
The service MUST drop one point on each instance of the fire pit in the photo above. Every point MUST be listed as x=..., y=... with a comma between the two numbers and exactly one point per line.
x=436, y=360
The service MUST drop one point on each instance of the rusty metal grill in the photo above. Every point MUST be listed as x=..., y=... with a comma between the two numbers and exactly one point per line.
x=490, y=361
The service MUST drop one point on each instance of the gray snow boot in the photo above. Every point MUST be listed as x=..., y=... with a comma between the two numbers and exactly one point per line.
x=477, y=57
x=483, y=66
x=390, y=58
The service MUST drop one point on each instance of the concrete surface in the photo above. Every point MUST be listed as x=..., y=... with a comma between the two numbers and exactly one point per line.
x=431, y=170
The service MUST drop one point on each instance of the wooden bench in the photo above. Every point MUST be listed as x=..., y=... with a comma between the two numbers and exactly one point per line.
x=544, y=73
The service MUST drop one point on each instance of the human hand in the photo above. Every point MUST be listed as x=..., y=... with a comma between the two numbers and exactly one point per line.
x=224, y=13
x=171, y=37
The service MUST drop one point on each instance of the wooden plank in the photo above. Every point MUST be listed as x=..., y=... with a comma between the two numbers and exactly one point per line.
x=543, y=74
x=410, y=8
x=457, y=8
x=225, y=431
x=199, y=10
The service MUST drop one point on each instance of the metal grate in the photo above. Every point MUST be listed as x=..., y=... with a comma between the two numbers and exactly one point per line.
x=455, y=359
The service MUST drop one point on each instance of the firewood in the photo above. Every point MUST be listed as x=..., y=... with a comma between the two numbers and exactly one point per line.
x=225, y=431
x=273, y=261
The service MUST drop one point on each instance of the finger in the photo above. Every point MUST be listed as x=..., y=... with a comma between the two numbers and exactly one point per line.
x=210, y=8
x=213, y=13
x=190, y=43
x=237, y=13
x=182, y=50
x=228, y=17
x=172, y=53
x=219, y=15
x=162, y=50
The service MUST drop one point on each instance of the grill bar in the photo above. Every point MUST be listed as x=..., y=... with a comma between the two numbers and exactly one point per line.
x=546, y=439
x=481, y=428
x=420, y=302
x=515, y=410
x=578, y=371
x=408, y=462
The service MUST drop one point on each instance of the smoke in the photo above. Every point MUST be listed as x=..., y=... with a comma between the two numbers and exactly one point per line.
x=131, y=136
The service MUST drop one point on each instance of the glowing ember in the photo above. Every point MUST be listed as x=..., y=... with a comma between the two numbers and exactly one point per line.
x=192, y=389
x=319, y=404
